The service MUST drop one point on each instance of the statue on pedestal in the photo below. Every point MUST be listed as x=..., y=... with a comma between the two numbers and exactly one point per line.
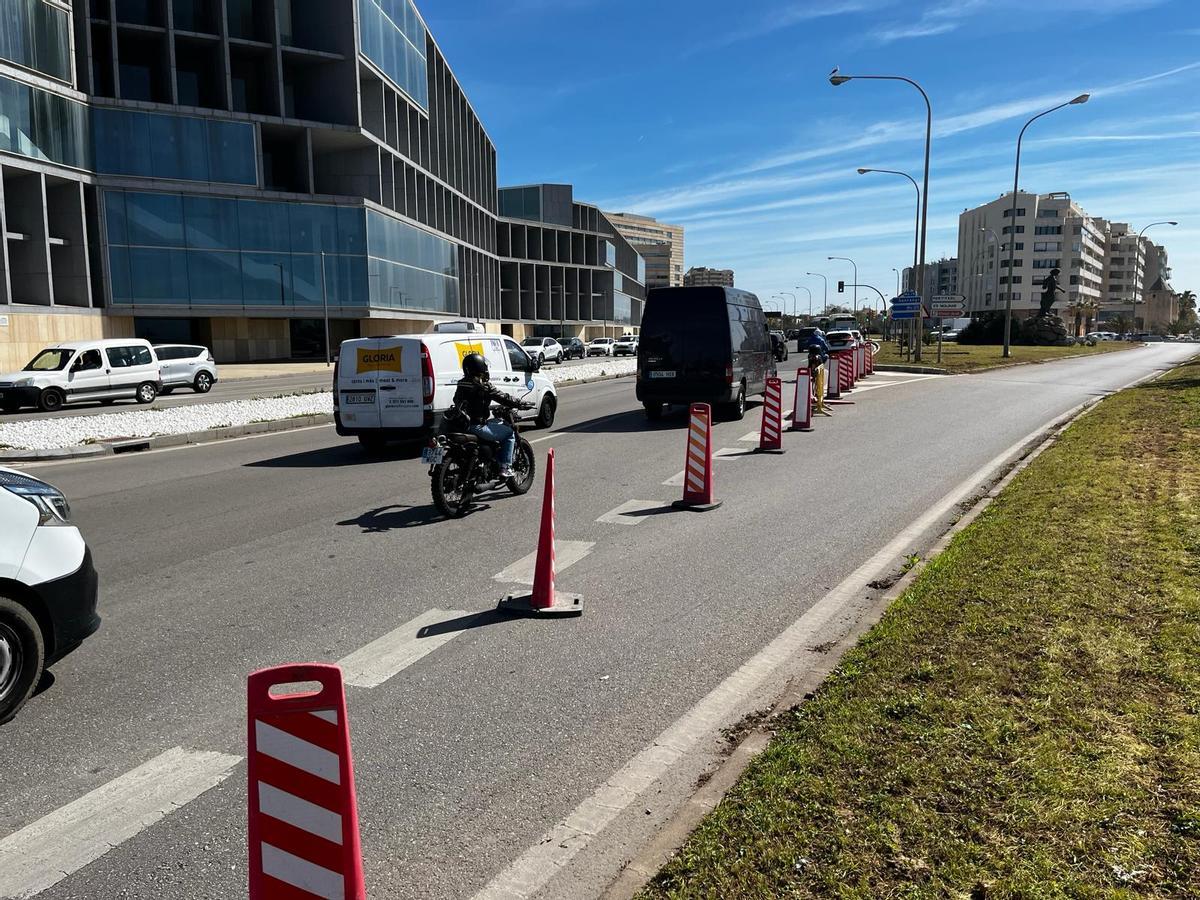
x=1050, y=290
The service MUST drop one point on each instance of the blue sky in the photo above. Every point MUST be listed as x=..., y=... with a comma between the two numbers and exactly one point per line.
x=719, y=116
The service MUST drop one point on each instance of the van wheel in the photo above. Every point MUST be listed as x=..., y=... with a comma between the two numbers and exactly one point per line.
x=51, y=400
x=146, y=392
x=22, y=656
x=654, y=411
x=736, y=411
x=203, y=383
x=545, y=416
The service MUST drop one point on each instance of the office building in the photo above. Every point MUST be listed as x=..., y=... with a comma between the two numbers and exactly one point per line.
x=660, y=244
x=704, y=277
x=224, y=172
x=1049, y=231
x=941, y=278
x=565, y=271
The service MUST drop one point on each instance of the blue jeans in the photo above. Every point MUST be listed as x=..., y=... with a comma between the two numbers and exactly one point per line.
x=498, y=433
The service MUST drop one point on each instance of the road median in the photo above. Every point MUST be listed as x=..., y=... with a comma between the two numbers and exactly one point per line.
x=1022, y=720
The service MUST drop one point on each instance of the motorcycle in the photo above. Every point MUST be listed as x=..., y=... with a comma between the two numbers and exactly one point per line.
x=461, y=465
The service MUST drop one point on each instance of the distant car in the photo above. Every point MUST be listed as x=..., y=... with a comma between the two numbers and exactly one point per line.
x=575, y=349
x=600, y=347
x=625, y=345
x=841, y=340
x=779, y=346
x=544, y=350
x=81, y=371
x=951, y=335
x=805, y=337
x=186, y=365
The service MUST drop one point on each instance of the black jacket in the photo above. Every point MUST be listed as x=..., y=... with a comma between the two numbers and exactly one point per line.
x=475, y=397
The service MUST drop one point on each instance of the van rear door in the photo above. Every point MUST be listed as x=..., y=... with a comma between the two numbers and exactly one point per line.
x=684, y=346
x=379, y=383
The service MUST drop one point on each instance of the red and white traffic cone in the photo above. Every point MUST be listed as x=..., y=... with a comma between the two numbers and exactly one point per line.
x=838, y=367
x=545, y=599
x=802, y=412
x=870, y=359
x=303, y=819
x=698, y=471
x=770, y=437
x=847, y=369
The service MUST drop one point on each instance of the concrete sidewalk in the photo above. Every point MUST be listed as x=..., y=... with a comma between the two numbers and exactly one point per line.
x=241, y=371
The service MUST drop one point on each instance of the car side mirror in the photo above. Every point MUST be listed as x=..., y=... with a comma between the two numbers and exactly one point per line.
x=535, y=365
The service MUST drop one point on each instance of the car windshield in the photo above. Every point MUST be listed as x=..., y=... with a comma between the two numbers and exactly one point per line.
x=50, y=361
x=531, y=342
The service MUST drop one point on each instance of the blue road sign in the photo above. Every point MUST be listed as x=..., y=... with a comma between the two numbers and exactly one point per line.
x=903, y=314
x=908, y=295
x=906, y=307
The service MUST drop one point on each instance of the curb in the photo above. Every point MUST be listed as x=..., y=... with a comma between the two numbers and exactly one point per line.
x=916, y=370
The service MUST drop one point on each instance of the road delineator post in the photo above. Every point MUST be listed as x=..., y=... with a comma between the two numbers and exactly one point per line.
x=545, y=599
x=770, y=437
x=838, y=368
x=303, y=817
x=802, y=411
x=698, y=468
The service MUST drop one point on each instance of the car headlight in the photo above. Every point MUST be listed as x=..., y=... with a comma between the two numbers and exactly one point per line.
x=51, y=505
x=23, y=382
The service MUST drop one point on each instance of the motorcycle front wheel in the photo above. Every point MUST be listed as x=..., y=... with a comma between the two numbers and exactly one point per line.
x=524, y=468
x=451, y=488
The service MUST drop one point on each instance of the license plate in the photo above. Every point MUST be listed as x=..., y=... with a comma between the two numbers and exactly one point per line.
x=358, y=398
x=433, y=456
x=668, y=374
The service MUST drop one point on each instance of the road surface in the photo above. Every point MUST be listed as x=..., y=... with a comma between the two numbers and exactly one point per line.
x=221, y=559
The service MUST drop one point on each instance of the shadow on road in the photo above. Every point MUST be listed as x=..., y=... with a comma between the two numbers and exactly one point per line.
x=391, y=518
x=340, y=455
x=464, y=623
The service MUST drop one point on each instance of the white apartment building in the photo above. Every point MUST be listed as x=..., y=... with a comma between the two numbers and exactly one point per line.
x=660, y=244
x=1124, y=271
x=1049, y=231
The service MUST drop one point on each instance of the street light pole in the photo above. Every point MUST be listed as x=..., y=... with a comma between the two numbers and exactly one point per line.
x=917, y=228
x=1133, y=311
x=836, y=78
x=325, y=303
x=826, y=280
x=855, y=265
x=897, y=271
x=793, y=296
x=801, y=287
x=1012, y=225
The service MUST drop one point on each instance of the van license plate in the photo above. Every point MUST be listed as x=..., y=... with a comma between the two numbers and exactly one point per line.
x=433, y=456
x=669, y=374
x=353, y=398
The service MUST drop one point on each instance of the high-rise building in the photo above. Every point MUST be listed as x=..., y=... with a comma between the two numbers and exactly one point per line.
x=941, y=277
x=704, y=277
x=564, y=267
x=1049, y=231
x=660, y=244
x=221, y=172
x=1124, y=272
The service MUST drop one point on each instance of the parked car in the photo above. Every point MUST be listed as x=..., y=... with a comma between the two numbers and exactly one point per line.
x=186, y=365
x=841, y=340
x=82, y=371
x=399, y=388
x=703, y=345
x=779, y=346
x=1104, y=336
x=575, y=349
x=600, y=347
x=544, y=350
x=48, y=586
x=625, y=345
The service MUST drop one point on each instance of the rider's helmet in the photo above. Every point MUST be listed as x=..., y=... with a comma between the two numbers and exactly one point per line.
x=475, y=366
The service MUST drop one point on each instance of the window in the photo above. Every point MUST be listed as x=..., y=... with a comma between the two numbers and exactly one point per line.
x=154, y=145
x=1013, y=229
x=1047, y=213
x=1048, y=229
x=1020, y=211
x=1047, y=263
x=88, y=361
x=392, y=37
x=42, y=125
x=518, y=359
x=1017, y=245
x=34, y=34
x=1043, y=246
x=1016, y=263
x=127, y=357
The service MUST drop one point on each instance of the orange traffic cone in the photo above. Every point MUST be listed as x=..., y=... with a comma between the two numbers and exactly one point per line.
x=698, y=474
x=771, y=436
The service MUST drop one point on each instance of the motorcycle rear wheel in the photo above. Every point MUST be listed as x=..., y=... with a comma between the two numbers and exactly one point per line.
x=451, y=489
x=524, y=468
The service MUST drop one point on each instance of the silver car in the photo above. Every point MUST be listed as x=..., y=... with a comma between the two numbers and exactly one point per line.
x=187, y=366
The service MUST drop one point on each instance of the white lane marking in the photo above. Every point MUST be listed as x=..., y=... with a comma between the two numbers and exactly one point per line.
x=566, y=554
x=63, y=842
x=531, y=871
x=756, y=436
x=297, y=752
x=729, y=453
x=621, y=515
x=299, y=812
x=302, y=874
x=675, y=480
x=391, y=654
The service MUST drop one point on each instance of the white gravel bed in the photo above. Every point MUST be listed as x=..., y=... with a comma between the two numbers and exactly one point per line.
x=71, y=431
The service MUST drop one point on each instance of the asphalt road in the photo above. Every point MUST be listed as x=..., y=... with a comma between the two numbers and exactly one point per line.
x=221, y=559
x=222, y=392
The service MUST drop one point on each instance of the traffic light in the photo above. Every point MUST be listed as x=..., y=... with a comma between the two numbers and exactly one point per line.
x=841, y=287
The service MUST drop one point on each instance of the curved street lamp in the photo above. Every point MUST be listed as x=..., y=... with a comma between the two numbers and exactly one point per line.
x=855, y=265
x=801, y=287
x=826, y=280
x=917, y=229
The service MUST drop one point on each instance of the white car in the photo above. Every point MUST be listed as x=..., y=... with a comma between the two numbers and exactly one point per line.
x=186, y=365
x=48, y=586
x=626, y=345
x=841, y=340
x=600, y=347
x=399, y=388
x=83, y=371
x=1103, y=336
x=544, y=350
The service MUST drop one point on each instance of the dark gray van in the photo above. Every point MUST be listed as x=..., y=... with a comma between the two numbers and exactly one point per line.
x=703, y=345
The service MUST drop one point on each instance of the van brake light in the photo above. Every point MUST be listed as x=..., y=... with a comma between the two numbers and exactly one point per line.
x=729, y=374
x=427, y=375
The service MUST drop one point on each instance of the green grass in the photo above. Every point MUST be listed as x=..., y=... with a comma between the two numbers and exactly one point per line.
x=959, y=359
x=1025, y=720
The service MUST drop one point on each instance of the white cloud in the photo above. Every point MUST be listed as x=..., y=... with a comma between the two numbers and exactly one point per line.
x=782, y=17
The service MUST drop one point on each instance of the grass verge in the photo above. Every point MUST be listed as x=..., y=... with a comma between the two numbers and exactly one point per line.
x=958, y=359
x=1023, y=722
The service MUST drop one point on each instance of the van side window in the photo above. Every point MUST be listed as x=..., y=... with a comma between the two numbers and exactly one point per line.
x=88, y=361
x=739, y=339
x=517, y=358
x=126, y=357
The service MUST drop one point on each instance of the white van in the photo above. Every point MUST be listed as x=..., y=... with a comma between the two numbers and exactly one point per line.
x=84, y=371
x=398, y=388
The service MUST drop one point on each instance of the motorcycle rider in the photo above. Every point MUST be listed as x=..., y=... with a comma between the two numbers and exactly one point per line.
x=475, y=396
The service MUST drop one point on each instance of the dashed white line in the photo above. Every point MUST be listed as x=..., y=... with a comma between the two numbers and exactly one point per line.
x=626, y=513
x=58, y=845
x=389, y=655
x=566, y=554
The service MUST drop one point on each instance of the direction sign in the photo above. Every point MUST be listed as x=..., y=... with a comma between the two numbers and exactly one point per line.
x=903, y=314
x=948, y=306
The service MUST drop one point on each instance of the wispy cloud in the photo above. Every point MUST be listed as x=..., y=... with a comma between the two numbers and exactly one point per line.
x=785, y=16
x=940, y=18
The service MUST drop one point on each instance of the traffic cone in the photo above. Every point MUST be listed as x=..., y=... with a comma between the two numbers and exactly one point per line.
x=839, y=367
x=770, y=438
x=802, y=412
x=303, y=817
x=545, y=599
x=698, y=474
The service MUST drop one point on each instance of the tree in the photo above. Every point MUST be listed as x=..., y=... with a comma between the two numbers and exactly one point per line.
x=1121, y=323
x=1187, y=314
